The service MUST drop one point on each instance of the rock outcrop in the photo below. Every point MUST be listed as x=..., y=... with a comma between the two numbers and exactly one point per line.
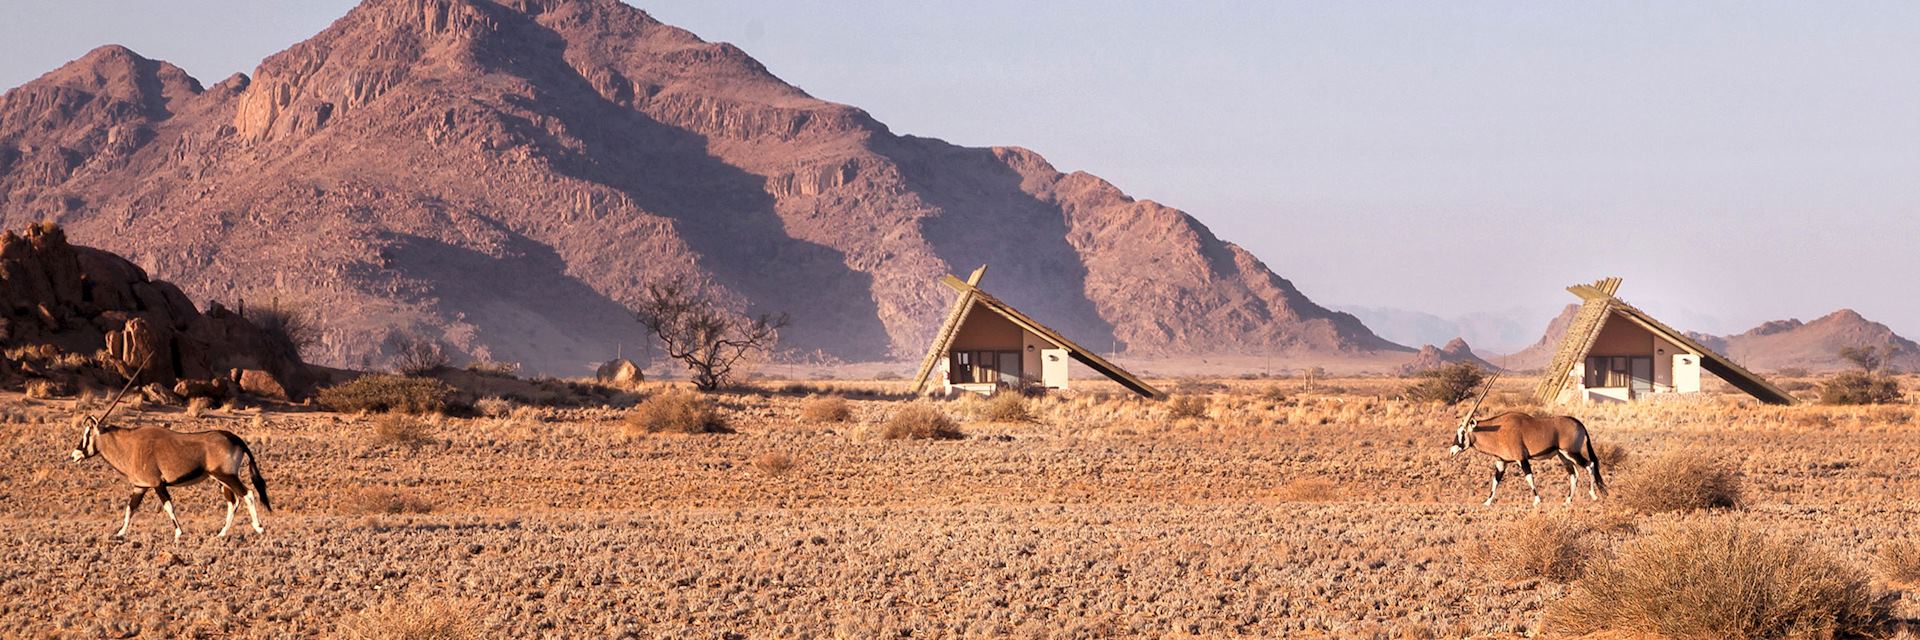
x=506, y=178
x=81, y=316
x=1431, y=357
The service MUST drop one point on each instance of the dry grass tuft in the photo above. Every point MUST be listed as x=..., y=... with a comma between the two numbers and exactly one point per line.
x=920, y=421
x=1679, y=480
x=1612, y=455
x=198, y=406
x=413, y=619
x=43, y=389
x=401, y=429
x=1548, y=546
x=1004, y=407
x=825, y=409
x=676, y=411
x=773, y=464
x=1899, y=564
x=380, y=393
x=383, y=501
x=1710, y=579
x=1187, y=407
x=493, y=406
x=1307, y=490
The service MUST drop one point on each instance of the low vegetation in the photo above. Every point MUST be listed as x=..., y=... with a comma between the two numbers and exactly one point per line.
x=1716, y=579
x=772, y=463
x=413, y=619
x=1899, y=564
x=1004, y=407
x=677, y=411
x=1858, y=387
x=382, y=393
x=1548, y=546
x=826, y=409
x=920, y=421
x=402, y=430
x=1447, y=384
x=1310, y=489
x=382, y=501
x=1678, y=481
x=1187, y=407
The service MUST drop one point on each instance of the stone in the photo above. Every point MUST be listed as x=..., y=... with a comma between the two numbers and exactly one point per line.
x=619, y=371
x=260, y=383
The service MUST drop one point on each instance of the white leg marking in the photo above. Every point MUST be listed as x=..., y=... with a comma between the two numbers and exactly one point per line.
x=1498, y=469
x=1534, y=489
x=167, y=506
x=253, y=513
x=1593, y=473
x=1573, y=480
x=126, y=520
x=231, y=506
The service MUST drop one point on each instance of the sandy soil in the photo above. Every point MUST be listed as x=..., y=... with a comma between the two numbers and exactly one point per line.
x=1103, y=518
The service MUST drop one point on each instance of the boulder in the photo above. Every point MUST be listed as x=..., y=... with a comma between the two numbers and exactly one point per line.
x=214, y=388
x=156, y=394
x=261, y=383
x=619, y=371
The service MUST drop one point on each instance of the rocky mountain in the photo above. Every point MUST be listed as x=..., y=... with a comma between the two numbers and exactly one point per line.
x=1815, y=345
x=1488, y=331
x=1432, y=357
x=508, y=177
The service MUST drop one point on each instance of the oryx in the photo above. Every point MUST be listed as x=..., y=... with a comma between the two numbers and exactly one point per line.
x=155, y=458
x=1517, y=437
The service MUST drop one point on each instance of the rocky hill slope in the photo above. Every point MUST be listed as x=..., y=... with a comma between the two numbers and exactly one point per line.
x=1431, y=357
x=507, y=178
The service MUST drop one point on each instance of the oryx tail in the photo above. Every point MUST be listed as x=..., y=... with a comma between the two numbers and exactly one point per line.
x=253, y=464
x=1592, y=458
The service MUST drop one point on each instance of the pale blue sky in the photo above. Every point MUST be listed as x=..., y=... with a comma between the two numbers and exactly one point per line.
x=1736, y=162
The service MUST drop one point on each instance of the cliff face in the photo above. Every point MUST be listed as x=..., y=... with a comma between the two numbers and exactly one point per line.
x=507, y=178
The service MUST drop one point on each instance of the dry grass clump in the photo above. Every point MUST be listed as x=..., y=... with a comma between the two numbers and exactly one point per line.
x=383, y=500
x=676, y=411
x=1004, y=407
x=1187, y=407
x=493, y=406
x=920, y=421
x=401, y=429
x=412, y=619
x=1313, y=489
x=1679, y=480
x=43, y=389
x=379, y=393
x=1549, y=546
x=1710, y=579
x=1611, y=455
x=198, y=406
x=824, y=409
x=1899, y=564
x=771, y=463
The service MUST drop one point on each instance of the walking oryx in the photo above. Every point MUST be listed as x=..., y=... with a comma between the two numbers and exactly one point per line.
x=1517, y=437
x=155, y=458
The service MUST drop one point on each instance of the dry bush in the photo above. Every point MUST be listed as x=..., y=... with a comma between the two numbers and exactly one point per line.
x=1447, y=384
x=383, y=500
x=289, y=328
x=413, y=619
x=1679, y=480
x=493, y=406
x=401, y=429
x=493, y=369
x=1273, y=393
x=1004, y=407
x=920, y=421
x=43, y=389
x=823, y=409
x=1307, y=490
x=1899, y=564
x=198, y=406
x=1712, y=579
x=676, y=412
x=415, y=355
x=1611, y=455
x=1187, y=407
x=773, y=464
x=378, y=393
x=1548, y=546
x=1855, y=387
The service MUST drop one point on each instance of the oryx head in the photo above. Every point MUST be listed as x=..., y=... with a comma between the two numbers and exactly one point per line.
x=87, y=447
x=1463, y=437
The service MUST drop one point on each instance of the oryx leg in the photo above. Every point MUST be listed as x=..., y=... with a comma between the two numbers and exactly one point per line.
x=166, y=505
x=253, y=512
x=1526, y=467
x=1573, y=474
x=230, y=489
x=1499, y=470
x=126, y=519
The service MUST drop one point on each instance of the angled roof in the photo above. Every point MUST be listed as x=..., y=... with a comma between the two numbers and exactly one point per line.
x=970, y=296
x=1599, y=304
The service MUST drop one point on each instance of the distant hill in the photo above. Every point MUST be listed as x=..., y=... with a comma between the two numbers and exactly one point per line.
x=1488, y=331
x=508, y=177
x=1455, y=351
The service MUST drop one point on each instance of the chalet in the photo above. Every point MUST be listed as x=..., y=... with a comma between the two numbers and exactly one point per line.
x=986, y=346
x=1614, y=352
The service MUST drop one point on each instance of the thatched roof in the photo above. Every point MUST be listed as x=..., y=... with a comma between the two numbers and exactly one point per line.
x=1599, y=304
x=971, y=297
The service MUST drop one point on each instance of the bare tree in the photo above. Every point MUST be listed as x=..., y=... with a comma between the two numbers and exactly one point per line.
x=709, y=339
x=415, y=355
x=1868, y=359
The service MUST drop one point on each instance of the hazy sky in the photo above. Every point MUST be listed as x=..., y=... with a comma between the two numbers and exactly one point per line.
x=1735, y=162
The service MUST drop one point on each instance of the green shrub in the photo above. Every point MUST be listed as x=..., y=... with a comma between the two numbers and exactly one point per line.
x=1447, y=384
x=677, y=411
x=1855, y=387
x=1708, y=579
x=378, y=393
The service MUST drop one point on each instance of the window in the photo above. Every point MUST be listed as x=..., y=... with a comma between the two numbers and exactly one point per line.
x=1634, y=372
x=969, y=367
